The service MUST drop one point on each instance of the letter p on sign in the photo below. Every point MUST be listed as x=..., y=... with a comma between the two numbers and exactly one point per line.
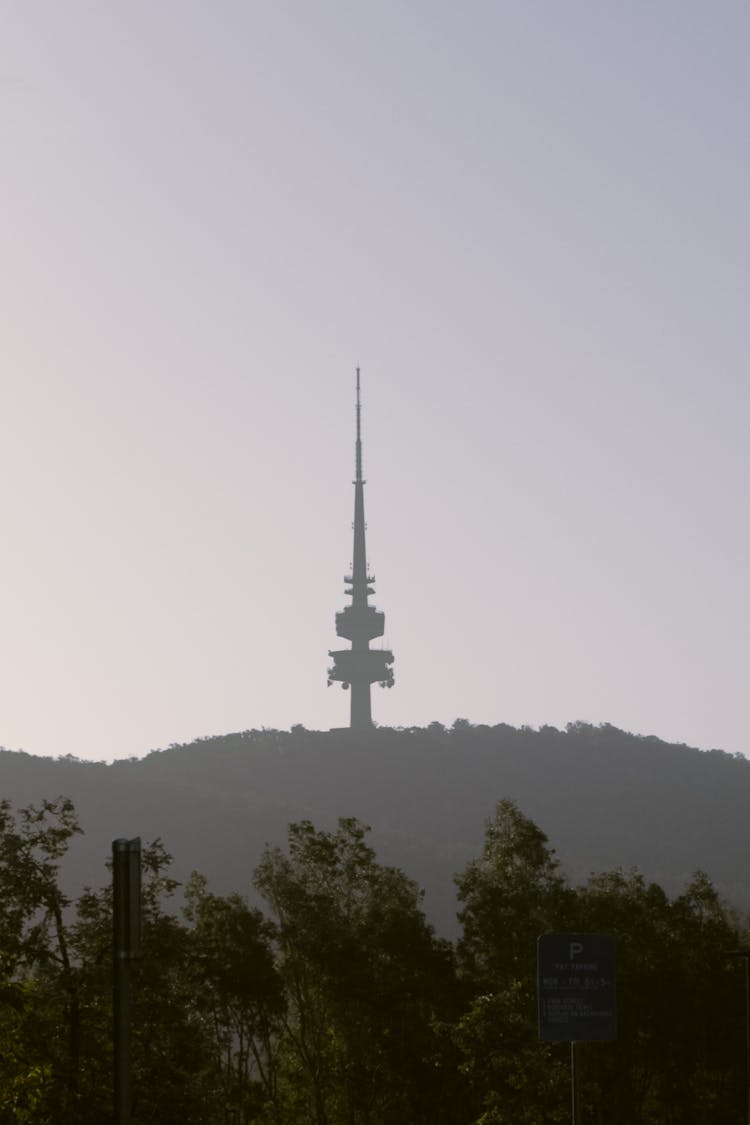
x=575, y=949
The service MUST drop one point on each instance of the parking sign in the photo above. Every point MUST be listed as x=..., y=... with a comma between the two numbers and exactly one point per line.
x=576, y=987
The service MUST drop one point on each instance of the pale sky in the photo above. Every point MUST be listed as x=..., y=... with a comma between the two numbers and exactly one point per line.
x=526, y=221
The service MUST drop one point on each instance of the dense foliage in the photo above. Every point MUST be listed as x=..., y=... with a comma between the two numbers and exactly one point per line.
x=337, y=1004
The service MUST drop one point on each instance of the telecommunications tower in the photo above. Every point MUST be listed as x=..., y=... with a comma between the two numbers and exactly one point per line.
x=360, y=666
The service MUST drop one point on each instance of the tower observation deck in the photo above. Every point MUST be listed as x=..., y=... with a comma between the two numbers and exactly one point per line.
x=358, y=667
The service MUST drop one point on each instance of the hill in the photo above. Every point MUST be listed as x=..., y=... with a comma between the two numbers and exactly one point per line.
x=605, y=798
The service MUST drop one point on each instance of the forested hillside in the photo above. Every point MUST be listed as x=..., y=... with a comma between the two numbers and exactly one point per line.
x=605, y=798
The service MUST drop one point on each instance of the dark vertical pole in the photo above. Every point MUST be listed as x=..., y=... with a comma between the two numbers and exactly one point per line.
x=120, y=872
x=745, y=955
x=126, y=893
x=747, y=1030
x=573, y=1084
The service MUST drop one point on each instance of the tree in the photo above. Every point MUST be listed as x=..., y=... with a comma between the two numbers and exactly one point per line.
x=510, y=895
x=39, y=999
x=514, y=1079
x=238, y=991
x=678, y=1055
x=367, y=984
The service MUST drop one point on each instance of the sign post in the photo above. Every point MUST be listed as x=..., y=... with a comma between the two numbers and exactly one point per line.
x=576, y=993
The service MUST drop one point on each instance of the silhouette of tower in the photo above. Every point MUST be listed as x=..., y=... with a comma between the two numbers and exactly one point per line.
x=360, y=666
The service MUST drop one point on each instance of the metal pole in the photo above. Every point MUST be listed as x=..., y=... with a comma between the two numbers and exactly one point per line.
x=573, y=1083
x=747, y=1030
x=745, y=954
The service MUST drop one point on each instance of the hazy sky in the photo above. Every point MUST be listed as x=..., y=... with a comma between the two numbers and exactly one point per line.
x=526, y=221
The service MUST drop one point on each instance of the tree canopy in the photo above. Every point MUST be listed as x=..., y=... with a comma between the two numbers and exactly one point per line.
x=334, y=1002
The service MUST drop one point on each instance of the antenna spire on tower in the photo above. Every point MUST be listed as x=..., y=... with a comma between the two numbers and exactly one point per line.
x=358, y=445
